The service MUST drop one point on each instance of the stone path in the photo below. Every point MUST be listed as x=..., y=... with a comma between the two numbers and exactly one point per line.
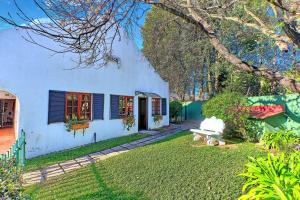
x=39, y=176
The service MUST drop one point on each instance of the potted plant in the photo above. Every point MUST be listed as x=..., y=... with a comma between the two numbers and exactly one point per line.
x=128, y=122
x=75, y=124
x=157, y=119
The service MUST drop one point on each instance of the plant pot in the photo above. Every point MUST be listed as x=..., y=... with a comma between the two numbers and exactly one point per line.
x=80, y=126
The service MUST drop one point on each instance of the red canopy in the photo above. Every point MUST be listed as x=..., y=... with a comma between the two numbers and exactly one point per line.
x=263, y=112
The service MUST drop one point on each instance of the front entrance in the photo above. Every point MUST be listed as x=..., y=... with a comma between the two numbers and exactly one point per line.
x=8, y=121
x=143, y=114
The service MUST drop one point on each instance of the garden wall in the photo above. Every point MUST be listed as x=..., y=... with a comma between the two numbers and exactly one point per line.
x=291, y=119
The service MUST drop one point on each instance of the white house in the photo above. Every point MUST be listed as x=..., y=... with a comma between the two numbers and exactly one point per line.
x=39, y=94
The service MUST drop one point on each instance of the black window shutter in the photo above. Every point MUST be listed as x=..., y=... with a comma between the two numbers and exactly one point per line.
x=98, y=106
x=164, y=106
x=57, y=103
x=114, y=107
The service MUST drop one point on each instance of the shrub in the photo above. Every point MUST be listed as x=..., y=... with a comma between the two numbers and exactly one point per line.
x=175, y=109
x=10, y=180
x=251, y=131
x=274, y=177
x=244, y=83
x=227, y=106
x=281, y=141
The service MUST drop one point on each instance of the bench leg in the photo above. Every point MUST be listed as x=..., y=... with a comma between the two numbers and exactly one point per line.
x=221, y=142
x=209, y=140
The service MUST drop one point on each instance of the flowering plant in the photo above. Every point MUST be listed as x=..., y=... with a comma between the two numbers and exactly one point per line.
x=157, y=119
x=128, y=122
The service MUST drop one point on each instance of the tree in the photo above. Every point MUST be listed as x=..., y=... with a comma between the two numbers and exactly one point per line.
x=166, y=35
x=288, y=12
x=177, y=50
x=89, y=27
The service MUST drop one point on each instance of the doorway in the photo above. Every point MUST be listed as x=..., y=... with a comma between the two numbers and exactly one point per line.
x=8, y=120
x=7, y=113
x=143, y=114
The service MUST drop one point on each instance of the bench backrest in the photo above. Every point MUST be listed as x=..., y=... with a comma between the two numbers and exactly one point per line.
x=213, y=124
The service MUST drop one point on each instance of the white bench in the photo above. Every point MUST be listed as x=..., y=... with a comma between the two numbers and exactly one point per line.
x=212, y=129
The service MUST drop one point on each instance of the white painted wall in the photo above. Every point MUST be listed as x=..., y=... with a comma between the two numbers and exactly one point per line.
x=29, y=72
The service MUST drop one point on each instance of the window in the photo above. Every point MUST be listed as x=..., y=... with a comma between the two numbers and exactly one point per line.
x=78, y=105
x=155, y=106
x=125, y=106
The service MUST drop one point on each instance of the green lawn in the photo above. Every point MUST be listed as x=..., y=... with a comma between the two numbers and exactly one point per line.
x=173, y=169
x=53, y=158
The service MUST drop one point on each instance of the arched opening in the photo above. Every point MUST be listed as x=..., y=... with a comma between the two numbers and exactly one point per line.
x=9, y=120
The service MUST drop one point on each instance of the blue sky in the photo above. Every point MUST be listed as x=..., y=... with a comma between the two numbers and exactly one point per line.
x=7, y=6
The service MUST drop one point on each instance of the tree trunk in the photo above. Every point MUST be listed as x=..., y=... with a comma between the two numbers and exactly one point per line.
x=216, y=77
x=202, y=82
x=194, y=88
x=209, y=81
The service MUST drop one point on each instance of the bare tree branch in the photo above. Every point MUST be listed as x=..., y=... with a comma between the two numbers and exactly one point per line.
x=282, y=41
x=288, y=12
x=89, y=27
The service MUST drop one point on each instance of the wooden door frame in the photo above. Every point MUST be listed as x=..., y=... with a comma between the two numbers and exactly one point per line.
x=139, y=98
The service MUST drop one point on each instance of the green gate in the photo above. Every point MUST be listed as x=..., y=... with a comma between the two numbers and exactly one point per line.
x=192, y=110
x=17, y=151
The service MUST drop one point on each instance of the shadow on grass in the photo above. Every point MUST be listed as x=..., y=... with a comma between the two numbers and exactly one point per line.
x=234, y=140
x=173, y=137
x=185, y=133
x=60, y=156
x=86, y=183
x=106, y=192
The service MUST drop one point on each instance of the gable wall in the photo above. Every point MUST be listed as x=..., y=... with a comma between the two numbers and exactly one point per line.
x=29, y=72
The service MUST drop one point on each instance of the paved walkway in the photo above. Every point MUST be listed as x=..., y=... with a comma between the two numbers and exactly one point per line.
x=41, y=175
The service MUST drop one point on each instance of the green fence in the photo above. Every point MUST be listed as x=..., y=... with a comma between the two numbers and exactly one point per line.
x=17, y=151
x=192, y=110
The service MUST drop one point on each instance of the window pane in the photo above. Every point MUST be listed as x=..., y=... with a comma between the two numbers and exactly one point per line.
x=155, y=106
x=125, y=106
x=122, y=106
x=85, y=107
x=130, y=106
x=75, y=100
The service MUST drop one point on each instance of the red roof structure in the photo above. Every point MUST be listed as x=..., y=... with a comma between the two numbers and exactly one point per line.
x=263, y=112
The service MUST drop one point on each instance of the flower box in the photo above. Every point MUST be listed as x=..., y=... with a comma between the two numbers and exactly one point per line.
x=159, y=117
x=80, y=126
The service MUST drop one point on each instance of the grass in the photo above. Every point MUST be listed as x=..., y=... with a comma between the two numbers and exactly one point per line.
x=171, y=169
x=43, y=161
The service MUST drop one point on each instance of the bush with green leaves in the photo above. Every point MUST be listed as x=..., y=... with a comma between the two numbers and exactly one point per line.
x=282, y=140
x=228, y=106
x=273, y=177
x=10, y=180
x=251, y=130
x=175, y=109
x=244, y=83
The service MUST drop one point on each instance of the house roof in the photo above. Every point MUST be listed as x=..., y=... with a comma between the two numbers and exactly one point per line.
x=263, y=112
